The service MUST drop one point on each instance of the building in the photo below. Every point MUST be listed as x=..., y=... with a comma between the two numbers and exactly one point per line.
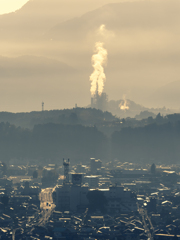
x=92, y=181
x=95, y=164
x=119, y=199
x=72, y=196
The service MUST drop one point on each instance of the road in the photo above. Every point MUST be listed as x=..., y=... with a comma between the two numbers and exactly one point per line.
x=146, y=223
x=45, y=197
x=41, y=217
x=46, y=206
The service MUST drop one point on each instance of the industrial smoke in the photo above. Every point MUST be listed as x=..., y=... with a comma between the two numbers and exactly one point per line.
x=123, y=105
x=99, y=59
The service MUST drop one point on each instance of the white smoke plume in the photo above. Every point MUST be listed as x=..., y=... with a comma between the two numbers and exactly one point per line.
x=105, y=33
x=102, y=30
x=123, y=104
x=99, y=59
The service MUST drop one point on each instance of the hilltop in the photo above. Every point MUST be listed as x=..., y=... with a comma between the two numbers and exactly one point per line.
x=83, y=116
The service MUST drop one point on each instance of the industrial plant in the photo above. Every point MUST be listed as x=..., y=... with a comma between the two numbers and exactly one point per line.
x=99, y=101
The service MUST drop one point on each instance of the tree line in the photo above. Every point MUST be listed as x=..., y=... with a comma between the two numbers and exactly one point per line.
x=154, y=142
x=51, y=142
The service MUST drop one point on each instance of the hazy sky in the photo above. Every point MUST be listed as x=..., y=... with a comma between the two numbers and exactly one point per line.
x=142, y=40
x=7, y=6
x=11, y=5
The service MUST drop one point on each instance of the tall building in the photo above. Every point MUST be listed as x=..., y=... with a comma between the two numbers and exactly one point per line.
x=72, y=196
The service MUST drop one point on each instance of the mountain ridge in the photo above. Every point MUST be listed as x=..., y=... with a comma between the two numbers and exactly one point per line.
x=35, y=64
x=142, y=50
x=29, y=17
x=111, y=14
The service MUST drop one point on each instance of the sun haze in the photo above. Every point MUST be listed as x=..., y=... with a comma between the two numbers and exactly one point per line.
x=7, y=6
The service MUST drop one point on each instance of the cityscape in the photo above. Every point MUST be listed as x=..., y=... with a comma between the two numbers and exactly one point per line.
x=89, y=120
x=111, y=200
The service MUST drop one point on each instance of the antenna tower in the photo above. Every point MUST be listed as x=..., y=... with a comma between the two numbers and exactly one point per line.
x=66, y=171
x=42, y=106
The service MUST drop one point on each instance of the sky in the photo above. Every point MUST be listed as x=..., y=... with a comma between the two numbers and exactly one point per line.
x=7, y=6
x=46, y=58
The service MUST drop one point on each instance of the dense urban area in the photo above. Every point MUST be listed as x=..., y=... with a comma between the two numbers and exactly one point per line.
x=100, y=200
x=129, y=191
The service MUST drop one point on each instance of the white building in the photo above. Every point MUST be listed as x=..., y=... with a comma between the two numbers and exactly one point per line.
x=71, y=197
x=74, y=197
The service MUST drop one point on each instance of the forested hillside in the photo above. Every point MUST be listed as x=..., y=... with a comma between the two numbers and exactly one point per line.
x=149, y=140
x=51, y=142
x=84, y=116
x=157, y=143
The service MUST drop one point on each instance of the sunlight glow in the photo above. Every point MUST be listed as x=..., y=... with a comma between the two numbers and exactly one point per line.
x=7, y=6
